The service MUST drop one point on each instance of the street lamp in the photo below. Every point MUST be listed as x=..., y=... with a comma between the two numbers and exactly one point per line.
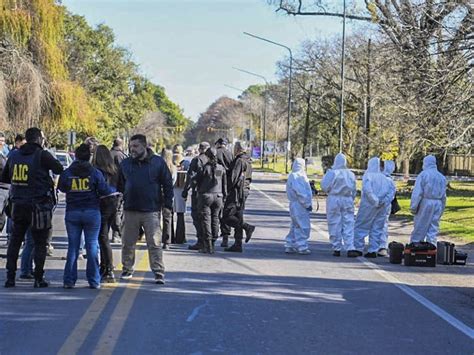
x=262, y=153
x=289, y=93
x=341, y=119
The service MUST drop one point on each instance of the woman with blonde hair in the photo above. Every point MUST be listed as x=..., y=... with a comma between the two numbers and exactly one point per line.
x=168, y=235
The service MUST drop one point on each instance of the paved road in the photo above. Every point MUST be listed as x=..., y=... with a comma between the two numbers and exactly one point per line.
x=260, y=301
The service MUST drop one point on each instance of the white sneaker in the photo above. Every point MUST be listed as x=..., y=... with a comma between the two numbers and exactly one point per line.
x=290, y=250
x=304, y=252
x=382, y=252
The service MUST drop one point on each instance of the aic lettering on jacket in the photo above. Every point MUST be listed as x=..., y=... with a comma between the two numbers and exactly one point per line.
x=20, y=174
x=80, y=184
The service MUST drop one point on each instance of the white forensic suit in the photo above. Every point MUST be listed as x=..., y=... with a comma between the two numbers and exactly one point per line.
x=340, y=185
x=300, y=196
x=388, y=169
x=377, y=194
x=428, y=201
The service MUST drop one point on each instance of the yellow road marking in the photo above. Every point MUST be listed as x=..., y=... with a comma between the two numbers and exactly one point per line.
x=113, y=330
x=79, y=335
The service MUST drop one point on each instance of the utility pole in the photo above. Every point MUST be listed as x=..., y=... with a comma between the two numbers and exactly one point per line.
x=306, y=124
x=368, y=101
x=341, y=118
x=288, y=124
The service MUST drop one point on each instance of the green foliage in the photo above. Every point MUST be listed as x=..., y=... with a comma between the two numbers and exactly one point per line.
x=15, y=23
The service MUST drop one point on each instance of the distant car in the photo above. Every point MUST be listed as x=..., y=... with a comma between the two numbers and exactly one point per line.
x=64, y=158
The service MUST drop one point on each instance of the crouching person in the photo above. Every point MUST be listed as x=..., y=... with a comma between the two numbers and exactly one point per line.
x=300, y=196
x=83, y=185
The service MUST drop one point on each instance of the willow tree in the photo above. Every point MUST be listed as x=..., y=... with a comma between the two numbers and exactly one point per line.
x=35, y=84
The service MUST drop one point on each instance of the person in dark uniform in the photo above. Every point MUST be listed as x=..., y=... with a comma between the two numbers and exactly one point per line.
x=196, y=164
x=224, y=157
x=238, y=186
x=32, y=197
x=83, y=185
x=211, y=182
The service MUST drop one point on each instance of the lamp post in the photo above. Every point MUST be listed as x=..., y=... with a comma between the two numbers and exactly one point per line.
x=264, y=125
x=288, y=147
x=341, y=118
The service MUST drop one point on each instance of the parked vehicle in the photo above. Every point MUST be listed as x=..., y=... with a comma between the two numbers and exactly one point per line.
x=64, y=158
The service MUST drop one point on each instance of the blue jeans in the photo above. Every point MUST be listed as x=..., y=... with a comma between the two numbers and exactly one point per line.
x=27, y=254
x=77, y=222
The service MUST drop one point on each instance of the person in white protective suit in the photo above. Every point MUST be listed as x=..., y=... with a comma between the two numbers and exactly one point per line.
x=377, y=195
x=388, y=169
x=340, y=184
x=300, y=196
x=428, y=201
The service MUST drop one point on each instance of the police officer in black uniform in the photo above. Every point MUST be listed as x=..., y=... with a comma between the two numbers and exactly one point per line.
x=211, y=182
x=196, y=164
x=224, y=157
x=32, y=197
x=238, y=186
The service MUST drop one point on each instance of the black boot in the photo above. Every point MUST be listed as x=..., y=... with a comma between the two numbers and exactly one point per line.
x=10, y=283
x=225, y=241
x=210, y=247
x=108, y=276
x=249, y=229
x=236, y=248
x=196, y=246
x=40, y=283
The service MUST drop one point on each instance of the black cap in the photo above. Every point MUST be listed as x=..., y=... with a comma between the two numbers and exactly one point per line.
x=222, y=141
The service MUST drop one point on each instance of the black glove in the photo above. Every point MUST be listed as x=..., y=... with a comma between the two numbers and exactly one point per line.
x=184, y=194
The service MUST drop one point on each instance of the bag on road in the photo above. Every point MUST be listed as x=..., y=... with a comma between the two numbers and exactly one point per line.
x=445, y=254
x=395, y=251
x=420, y=254
x=460, y=258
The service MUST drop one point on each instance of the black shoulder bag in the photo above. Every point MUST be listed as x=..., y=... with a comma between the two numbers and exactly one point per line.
x=42, y=209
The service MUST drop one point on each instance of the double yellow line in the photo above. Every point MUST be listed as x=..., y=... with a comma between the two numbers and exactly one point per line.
x=111, y=333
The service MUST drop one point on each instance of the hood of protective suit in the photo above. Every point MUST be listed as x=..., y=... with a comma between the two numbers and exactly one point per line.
x=298, y=166
x=388, y=167
x=429, y=162
x=374, y=165
x=340, y=162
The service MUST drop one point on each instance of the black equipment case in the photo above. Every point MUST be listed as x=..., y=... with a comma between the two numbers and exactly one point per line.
x=395, y=251
x=460, y=258
x=420, y=254
x=445, y=253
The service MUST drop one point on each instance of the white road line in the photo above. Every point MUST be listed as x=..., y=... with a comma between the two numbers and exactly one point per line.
x=453, y=321
x=195, y=311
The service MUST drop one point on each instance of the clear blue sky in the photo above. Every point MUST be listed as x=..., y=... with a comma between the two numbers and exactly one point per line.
x=190, y=46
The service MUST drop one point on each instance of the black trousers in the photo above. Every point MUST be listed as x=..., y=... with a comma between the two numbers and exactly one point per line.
x=108, y=210
x=21, y=217
x=233, y=216
x=196, y=216
x=225, y=229
x=180, y=235
x=210, y=206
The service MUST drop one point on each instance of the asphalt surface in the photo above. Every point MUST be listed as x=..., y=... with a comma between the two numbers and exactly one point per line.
x=259, y=302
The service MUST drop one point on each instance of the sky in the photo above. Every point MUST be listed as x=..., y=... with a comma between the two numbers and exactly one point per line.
x=191, y=46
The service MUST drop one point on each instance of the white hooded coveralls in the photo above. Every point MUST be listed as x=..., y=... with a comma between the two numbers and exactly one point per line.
x=428, y=201
x=388, y=169
x=340, y=184
x=300, y=196
x=377, y=195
